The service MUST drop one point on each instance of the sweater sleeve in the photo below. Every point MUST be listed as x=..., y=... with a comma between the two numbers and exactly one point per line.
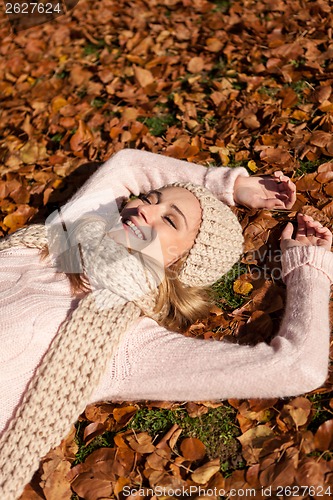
x=133, y=171
x=154, y=363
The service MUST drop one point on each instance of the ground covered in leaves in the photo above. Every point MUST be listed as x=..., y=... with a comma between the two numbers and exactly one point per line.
x=215, y=82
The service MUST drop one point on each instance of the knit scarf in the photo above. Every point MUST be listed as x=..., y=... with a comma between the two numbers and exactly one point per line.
x=122, y=290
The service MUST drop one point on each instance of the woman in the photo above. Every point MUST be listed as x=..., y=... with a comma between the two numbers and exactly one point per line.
x=49, y=381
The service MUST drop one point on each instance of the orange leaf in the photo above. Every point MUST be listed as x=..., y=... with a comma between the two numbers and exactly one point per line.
x=143, y=76
x=192, y=449
x=324, y=436
x=123, y=415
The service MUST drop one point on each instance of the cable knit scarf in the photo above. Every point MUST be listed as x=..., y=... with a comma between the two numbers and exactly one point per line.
x=122, y=289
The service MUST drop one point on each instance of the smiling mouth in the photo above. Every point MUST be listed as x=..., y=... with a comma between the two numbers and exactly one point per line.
x=138, y=233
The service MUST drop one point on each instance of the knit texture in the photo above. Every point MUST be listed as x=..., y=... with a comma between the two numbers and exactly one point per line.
x=122, y=289
x=153, y=363
x=78, y=354
x=218, y=244
x=160, y=364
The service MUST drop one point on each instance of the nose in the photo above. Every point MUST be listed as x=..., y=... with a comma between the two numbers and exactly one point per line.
x=149, y=213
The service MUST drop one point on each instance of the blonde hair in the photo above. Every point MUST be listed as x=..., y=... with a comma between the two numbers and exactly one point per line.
x=180, y=306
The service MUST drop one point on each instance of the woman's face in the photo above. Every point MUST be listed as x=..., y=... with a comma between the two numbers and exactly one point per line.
x=162, y=223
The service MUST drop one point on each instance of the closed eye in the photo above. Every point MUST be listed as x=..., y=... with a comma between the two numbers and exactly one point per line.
x=170, y=222
x=144, y=198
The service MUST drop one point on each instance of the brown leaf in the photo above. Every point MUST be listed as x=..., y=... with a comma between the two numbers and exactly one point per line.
x=308, y=183
x=299, y=409
x=195, y=410
x=99, y=412
x=329, y=189
x=55, y=484
x=81, y=138
x=192, y=449
x=57, y=103
x=276, y=156
x=124, y=415
x=289, y=97
x=324, y=436
x=143, y=76
x=251, y=121
x=196, y=65
x=93, y=430
x=311, y=472
x=320, y=138
x=282, y=472
x=203, y=474
x=252, y=442
x=142, y=443
x=30, y=494
x=213, y=44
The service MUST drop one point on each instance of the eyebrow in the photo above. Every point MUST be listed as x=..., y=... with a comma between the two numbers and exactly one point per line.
x=159, y=198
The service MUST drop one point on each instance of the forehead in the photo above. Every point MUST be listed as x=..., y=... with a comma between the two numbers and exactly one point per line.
x=179, y=193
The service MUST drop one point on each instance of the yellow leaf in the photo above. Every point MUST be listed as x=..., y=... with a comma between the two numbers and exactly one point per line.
x=130, y=114
x=300, y=115
x=63, y=58
x=31, y=80
x=32, y=152
x=58, y=102
x=242, y=287
x=252, y=166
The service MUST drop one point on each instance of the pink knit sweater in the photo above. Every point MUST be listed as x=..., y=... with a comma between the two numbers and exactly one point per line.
x=152, y=362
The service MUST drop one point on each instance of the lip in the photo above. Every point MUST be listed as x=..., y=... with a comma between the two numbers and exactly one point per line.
x=135, y=223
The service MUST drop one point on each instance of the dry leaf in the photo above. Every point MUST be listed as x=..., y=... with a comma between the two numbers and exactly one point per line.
x=192, y=449
x=203, y=474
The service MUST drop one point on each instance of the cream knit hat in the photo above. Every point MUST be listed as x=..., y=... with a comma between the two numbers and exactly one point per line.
x=218, y=244
x=59, y=390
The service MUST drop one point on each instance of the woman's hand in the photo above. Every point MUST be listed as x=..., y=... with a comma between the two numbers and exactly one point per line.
x=309, y=232
x=268, y=192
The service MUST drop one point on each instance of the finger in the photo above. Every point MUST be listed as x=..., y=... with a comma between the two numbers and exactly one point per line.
x=288, y=188
x=271, y=203
x=287, y=233
x=324, y=234
x=301, y=227
x=291, y=193
x=309, y=227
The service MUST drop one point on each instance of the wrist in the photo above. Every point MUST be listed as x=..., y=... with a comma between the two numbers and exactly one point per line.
x=239, y=185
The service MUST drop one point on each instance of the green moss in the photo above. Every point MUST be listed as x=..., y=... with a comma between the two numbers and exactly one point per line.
x=98, y=102
x=307, y=167
x=223, y=289
x=216, y=429
x=158, y=125
x=321, y=411
x=270, y=91
x=57, y=137
x=103, y=441
x=221, y=5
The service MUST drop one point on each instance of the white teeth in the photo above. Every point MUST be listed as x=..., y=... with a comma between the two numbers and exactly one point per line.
x=135, y=229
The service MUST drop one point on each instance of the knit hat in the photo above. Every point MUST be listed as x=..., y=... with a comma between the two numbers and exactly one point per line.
x=122, y=290
x=218, y=244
